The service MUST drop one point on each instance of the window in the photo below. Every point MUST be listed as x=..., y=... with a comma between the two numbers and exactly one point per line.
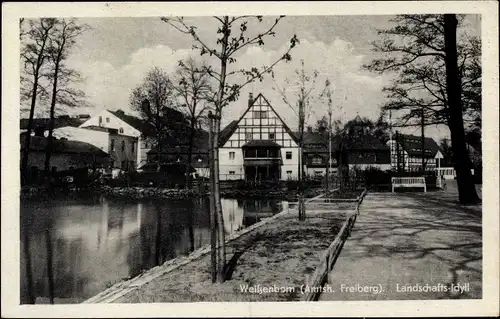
x=146, y=145
x=123, y=146
x=112, y=145
x=289, y=174
x=107, y=120
x=249, y=136
x=121, y=130
x=271, y=136
x=231, y=155
x=260, y=114
x=288, y=155
x=317, y=160
x=231, y=172
x=124, y=165
x=132, y=147
x=100, y=119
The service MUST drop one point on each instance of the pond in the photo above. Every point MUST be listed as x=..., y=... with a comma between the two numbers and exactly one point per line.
x=93, y=242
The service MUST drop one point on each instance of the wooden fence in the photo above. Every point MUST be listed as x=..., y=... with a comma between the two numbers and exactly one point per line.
x=330, y=256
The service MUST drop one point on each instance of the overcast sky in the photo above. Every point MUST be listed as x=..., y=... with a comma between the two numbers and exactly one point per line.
x=116, y=53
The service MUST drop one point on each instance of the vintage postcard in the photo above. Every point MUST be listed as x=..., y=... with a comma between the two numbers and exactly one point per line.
x=250, y=159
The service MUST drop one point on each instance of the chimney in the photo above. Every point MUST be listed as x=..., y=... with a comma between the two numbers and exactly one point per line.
x=250, y=99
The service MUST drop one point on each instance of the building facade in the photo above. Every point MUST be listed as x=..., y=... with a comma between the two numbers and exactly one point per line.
x=258, y=146
x=121, y=133
x=66, y=155
x=122, y=149
x=407, y=154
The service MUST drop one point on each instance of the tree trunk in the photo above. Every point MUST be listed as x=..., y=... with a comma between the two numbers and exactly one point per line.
x=213, y=221
x=27, y=141
x=466, y=188
x=218, y=207
x=48, y=151
x=189, y=179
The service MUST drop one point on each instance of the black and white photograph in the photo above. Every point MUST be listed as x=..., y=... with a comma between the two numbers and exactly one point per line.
x=279, y=158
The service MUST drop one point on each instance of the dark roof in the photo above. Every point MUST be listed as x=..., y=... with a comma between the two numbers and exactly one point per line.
x=178, y=143
x=261, y=143
x=39, y=143
x=58, y=122
x=137, y=123
x=316, y=141
x=175, y=119
x=413, y=145
x=226, y=133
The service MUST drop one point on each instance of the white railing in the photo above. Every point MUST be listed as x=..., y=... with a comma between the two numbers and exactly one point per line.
x=231, y=177
x=408, y=182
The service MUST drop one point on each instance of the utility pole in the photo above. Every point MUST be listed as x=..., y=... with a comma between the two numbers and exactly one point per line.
x=423, y=139
x=301, y=133
x=398, y=153
x=329, y=166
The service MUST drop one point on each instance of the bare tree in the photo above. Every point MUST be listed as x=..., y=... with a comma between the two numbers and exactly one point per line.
x=193, y=89
x=414, y=50
x=301, y=102
x=232, y=36
x=152, y=99
x=418, y=50
x=60, y=76
x=466, y=189
x=34, y=43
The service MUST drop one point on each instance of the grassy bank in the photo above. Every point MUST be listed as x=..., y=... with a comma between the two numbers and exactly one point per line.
x=282, y=253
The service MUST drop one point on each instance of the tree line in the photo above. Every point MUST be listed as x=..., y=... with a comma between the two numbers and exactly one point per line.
x=46, y=78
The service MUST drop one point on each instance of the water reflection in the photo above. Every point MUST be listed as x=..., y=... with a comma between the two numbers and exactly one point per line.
x=73, y=249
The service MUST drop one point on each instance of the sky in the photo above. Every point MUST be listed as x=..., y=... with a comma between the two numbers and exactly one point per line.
x=116, y=53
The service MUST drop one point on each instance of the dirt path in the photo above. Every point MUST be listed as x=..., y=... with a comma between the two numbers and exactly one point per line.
x=278, y=256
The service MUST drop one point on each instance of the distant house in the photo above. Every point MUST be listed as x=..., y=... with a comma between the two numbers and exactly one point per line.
x=176, y=150
x=66, y=155
x=407, y=151
x=122, y=149
x=361, y=152
x=259, y=145
x=130, y=125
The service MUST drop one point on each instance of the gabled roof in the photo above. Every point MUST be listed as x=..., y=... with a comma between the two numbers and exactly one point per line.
x=226, y=133
x=413, y=145
x=175, y=118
